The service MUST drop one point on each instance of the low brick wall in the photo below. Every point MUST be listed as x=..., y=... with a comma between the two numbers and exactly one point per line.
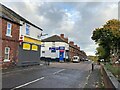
x=109, y=79
x=5, y=65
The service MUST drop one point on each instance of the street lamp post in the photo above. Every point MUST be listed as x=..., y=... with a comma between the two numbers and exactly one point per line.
x=39, y=37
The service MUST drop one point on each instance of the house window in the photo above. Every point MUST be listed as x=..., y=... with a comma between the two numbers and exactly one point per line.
x=7, y=52
x=27, y=29
x=9, y=26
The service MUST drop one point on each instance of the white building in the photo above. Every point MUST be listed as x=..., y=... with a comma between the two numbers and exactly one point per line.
x=30, y=30
x=55, y=48
x=30, y=47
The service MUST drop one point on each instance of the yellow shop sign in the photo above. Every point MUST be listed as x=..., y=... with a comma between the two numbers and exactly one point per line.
x=34, y=47
x=31, y=40
x=26, y=46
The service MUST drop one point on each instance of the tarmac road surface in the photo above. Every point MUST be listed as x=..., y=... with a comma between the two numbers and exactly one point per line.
x=56, y=75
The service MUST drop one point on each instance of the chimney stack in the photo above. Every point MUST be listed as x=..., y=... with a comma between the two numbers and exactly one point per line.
x=62, y=36
x=79, y=48
x=71, y=43
x=75, y=45
x=66, y=39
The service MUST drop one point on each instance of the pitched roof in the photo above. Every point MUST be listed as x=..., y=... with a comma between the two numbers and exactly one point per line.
x=18, y=16
x=54, y=38
x=8, y=19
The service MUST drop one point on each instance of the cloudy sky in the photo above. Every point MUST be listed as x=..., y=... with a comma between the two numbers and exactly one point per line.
x=76, y=20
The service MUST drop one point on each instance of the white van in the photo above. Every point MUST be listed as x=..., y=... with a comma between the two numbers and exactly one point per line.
x=76, y=59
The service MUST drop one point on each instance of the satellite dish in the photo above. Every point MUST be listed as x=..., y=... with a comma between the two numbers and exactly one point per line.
x=39, y=35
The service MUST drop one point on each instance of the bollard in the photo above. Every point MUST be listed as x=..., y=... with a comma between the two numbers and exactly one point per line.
x=92, y=66
x=45, y=62
x=48, y=61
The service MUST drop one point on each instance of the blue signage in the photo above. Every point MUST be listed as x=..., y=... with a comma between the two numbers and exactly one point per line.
x=57, y=48
x=53, y=49
x=61, y=48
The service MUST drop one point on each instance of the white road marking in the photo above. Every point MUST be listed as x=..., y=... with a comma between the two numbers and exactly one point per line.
x=28, y=83
x=86, y=82
x=59, y=71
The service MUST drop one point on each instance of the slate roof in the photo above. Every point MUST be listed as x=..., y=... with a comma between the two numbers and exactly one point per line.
x=18, y=16
x=8, y=19
x=54, y=38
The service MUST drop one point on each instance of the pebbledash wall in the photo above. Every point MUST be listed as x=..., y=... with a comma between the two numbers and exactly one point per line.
x=56, y=51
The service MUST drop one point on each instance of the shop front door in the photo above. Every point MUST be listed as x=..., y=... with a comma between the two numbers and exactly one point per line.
x=61, y=56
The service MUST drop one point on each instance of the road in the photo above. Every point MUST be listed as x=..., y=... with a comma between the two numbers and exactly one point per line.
x=57, y=75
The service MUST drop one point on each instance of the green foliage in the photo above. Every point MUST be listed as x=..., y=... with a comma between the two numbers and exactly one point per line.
x=114, y=70
x=101, y=52
x=108, y=38
x=93, y=58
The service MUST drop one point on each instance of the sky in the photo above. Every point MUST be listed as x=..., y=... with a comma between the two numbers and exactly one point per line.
x=76, y=19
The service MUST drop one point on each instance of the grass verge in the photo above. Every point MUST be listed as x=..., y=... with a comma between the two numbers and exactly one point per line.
x=114, y=70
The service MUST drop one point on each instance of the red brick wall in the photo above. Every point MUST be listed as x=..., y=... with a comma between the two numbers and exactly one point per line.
x=11, y=42
x=0, y=37
x=75, y=51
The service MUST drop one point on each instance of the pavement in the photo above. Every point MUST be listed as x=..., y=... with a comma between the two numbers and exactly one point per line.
x=94, y=79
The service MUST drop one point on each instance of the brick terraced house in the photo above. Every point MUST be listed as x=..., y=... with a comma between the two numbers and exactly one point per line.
x=9, y=38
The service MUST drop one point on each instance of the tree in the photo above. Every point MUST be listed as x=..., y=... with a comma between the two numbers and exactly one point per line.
x=108, y=39
x=101, y=52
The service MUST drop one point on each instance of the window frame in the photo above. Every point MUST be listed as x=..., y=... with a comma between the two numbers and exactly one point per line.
x=27, y=29
x=9, y=28
x=7, y=53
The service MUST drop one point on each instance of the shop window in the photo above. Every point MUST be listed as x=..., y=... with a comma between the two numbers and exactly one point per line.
x=8, y=32
x=53, y=50
x=26, y=46
x=34, y=47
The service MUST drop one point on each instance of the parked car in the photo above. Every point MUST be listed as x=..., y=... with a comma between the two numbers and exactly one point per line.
x=86, y=59
x=117, y=62
x=102, y=60
x=76, y=59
